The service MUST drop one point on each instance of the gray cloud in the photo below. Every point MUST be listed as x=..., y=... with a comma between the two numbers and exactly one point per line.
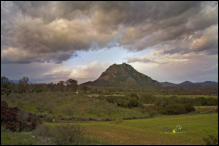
x=54, y=31
x=34, y=71
x=207, y=41
x=143, y=60
x=178, y=67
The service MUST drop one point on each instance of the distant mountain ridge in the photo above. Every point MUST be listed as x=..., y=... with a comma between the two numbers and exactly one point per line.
x=125, y=76
x=17, y=82
x=189, y=83
x=168, y=84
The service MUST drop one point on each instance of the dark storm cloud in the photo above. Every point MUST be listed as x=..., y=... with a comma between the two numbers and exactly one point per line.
x=54, y=31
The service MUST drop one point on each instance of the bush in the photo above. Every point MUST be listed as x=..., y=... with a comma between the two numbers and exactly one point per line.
x=147, y=98
x=211, y=140
x=61, y=135
x=42, y=130
x=123, y=101
x=174, y=109
x=68, y=135
x=150, y=110
x=134, y=95
x=133, y=102
x=189, y=108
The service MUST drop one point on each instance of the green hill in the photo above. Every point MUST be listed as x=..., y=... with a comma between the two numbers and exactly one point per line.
x=125, y=76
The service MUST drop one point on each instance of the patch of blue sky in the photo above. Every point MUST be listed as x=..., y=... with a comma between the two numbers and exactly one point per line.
x=111, y=55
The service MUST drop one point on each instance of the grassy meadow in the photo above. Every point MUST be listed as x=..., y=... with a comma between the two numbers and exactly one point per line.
x=138, y=131
x=84, y=119
x=150, y=131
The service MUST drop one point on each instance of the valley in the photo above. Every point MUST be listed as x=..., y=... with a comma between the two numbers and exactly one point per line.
x=122, y=106
x=109, y=72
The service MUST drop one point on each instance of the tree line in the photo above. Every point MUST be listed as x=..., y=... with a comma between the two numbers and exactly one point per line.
x=23, y=86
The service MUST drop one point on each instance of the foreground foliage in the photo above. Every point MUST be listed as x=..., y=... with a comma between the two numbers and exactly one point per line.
x=16, y=138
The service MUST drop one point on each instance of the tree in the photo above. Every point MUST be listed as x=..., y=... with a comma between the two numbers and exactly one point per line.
x=72, y=84
x=60, y=83
x=6, y=87
x=4, y=82
x=22, y=86
x=24, y=80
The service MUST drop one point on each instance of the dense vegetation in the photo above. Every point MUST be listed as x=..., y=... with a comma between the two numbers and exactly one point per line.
x=65, y=101
x=50, y=102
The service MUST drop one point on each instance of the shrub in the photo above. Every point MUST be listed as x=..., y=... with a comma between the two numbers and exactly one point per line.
x=211, y=140
x=68, y=135
x=127, y=102
x=61, y=135
x=189, y=108
x=134, y=95
x=122, y=102
x=150, y=110
x=133, y=102
x=111, y=99
x=174, y=109
x=147, y=98
x=43, y=130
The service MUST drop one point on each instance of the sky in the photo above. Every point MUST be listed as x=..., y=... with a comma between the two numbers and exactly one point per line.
x=53, y=41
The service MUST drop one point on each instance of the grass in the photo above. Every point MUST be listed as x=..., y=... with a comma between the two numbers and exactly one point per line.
x=17, y=138
x=150, y=131
x=48, y=136
x=206, y=109
x=69, y=106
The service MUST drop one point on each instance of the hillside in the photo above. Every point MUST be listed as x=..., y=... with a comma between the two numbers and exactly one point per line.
x=125, y=76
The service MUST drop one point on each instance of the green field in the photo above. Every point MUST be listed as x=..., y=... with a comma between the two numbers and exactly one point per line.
x=141, y=131
x=150, y=131
x=92, y=113
x=17, y=138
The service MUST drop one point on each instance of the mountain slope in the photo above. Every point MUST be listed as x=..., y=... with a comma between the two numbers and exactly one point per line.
x=185, y=84
x=123, y=75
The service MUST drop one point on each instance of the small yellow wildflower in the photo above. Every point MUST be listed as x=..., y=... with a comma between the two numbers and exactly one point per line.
x=174, y=131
